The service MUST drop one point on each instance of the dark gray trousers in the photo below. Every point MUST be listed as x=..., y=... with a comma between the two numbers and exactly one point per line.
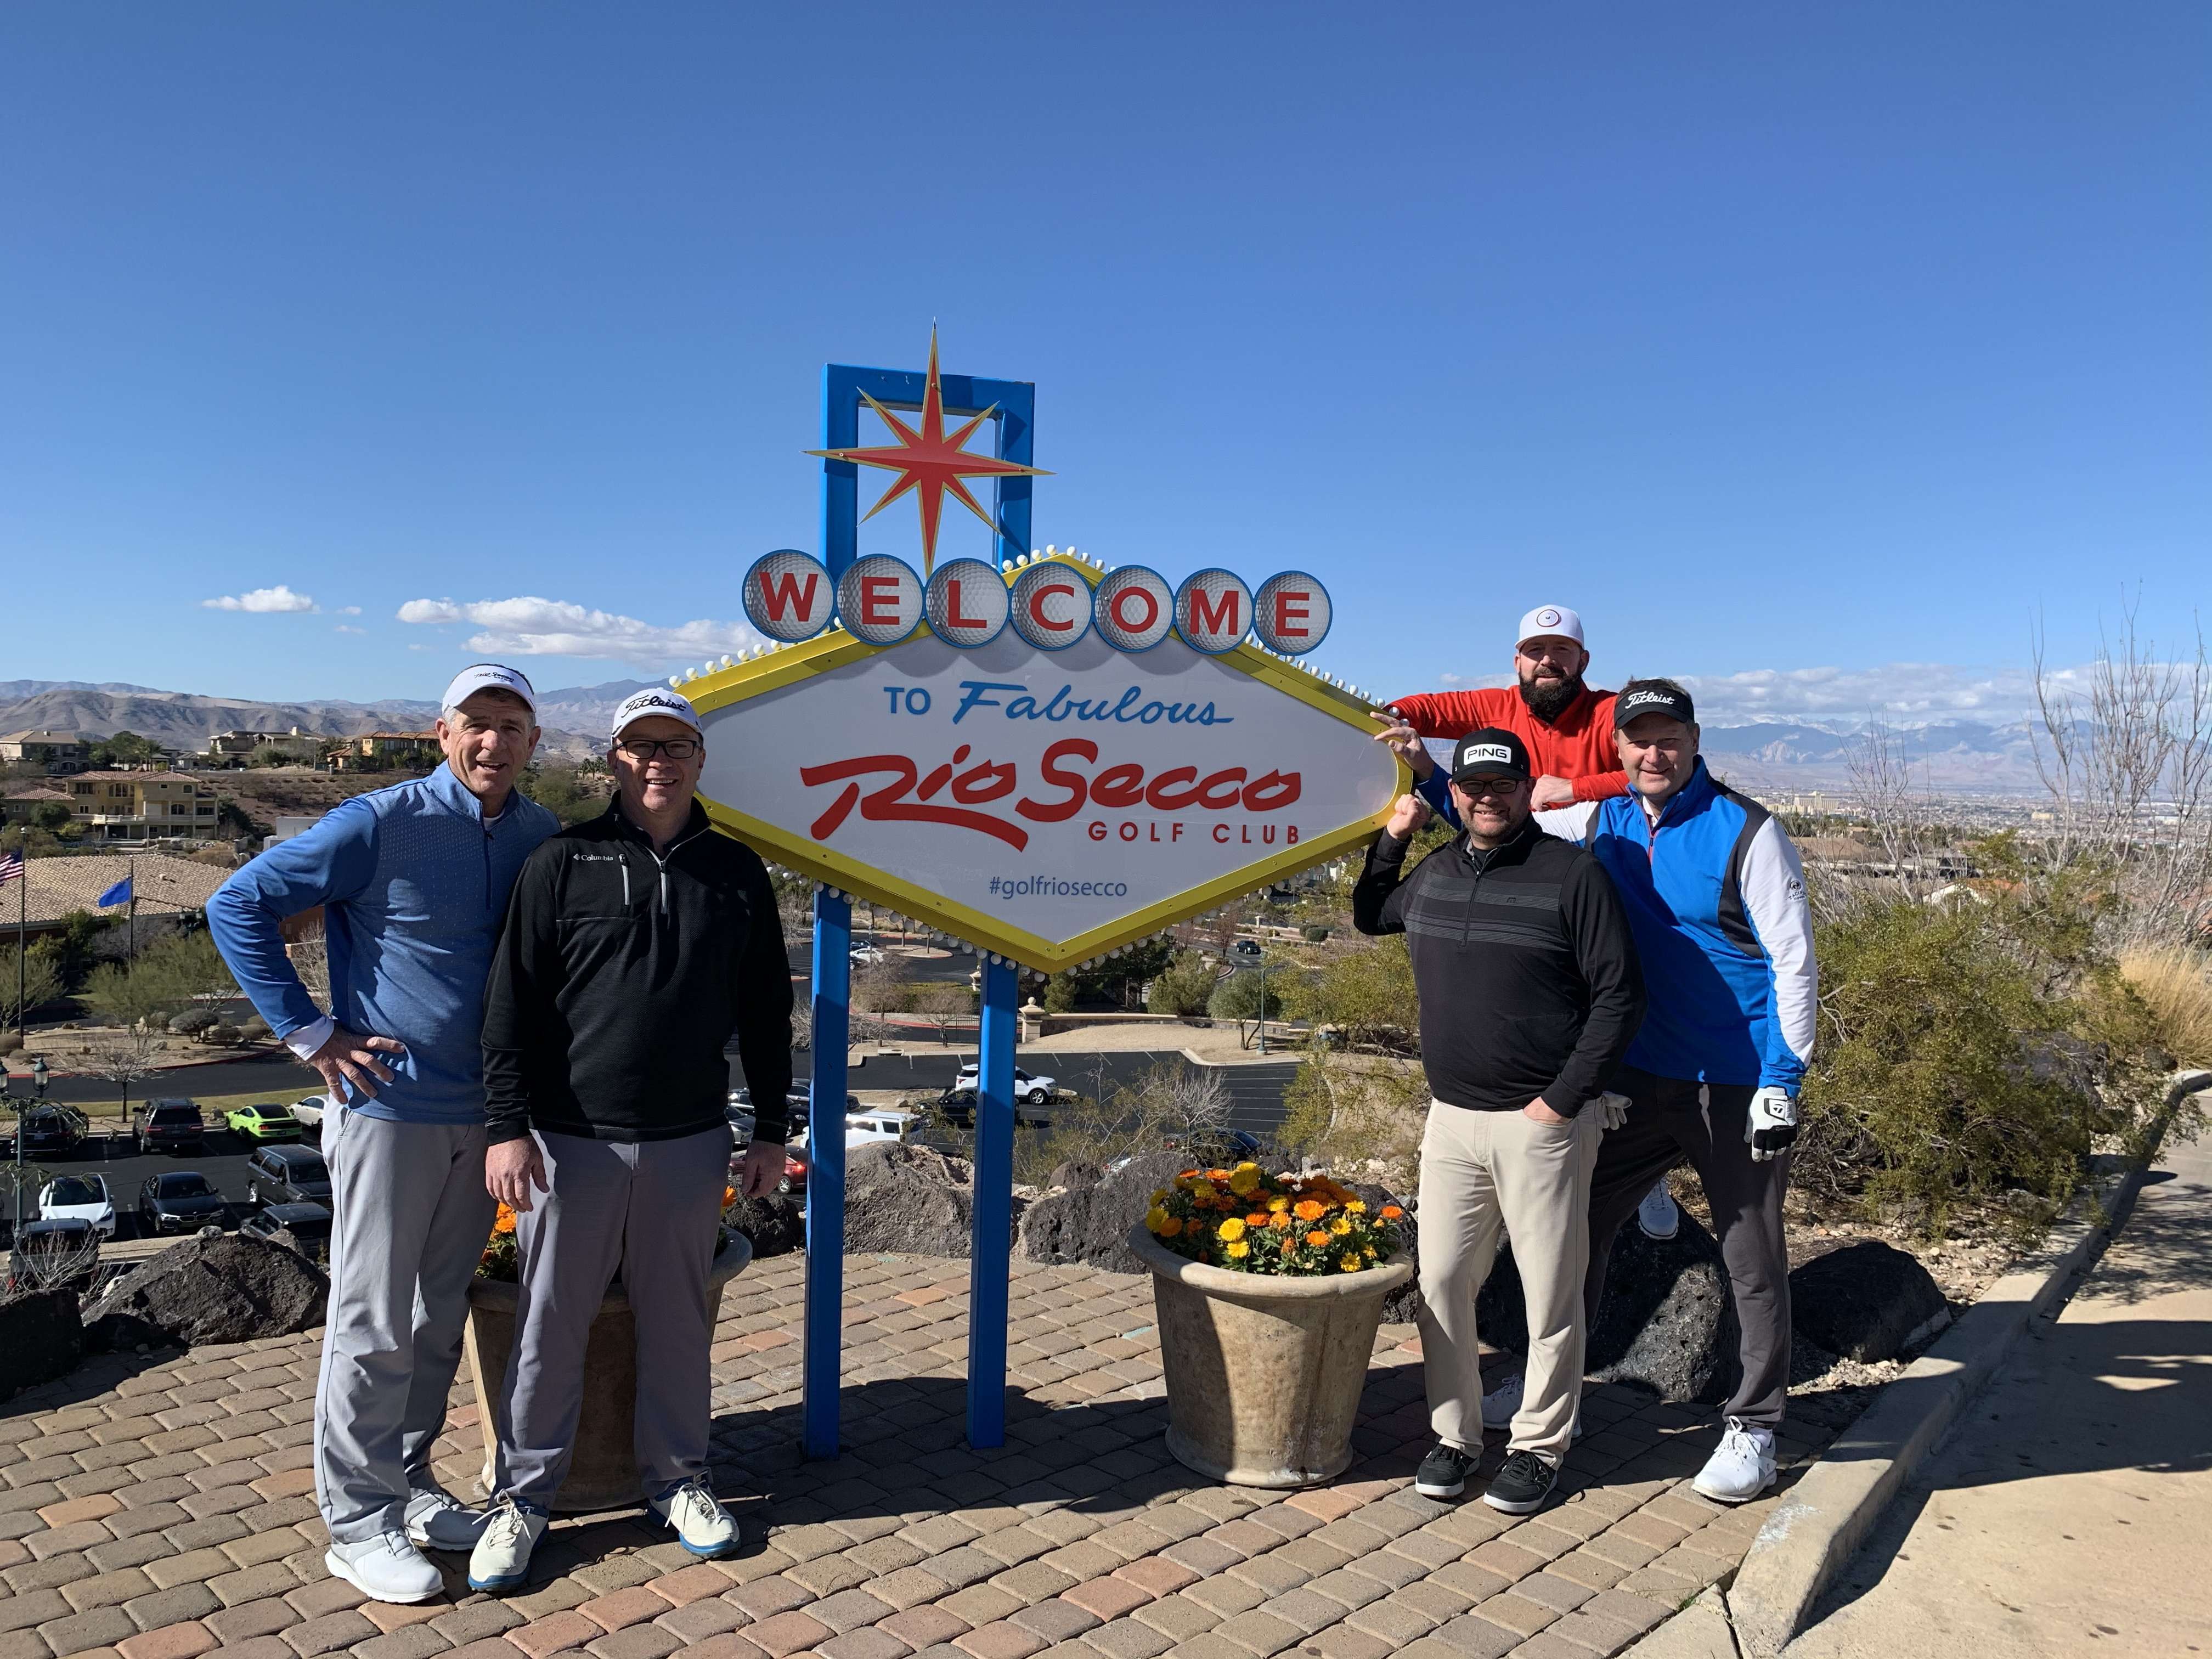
x=1667, y=1123
x=646, y=1211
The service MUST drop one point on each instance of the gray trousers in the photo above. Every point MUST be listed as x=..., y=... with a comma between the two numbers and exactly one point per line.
x=1666, y=1123
x=644, y=1210
x=409, y=1216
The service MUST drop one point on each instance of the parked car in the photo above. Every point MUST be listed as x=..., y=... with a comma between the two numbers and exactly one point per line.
x=266, y=1124
x=308, y=1114
x=46, y=1131
x=308, y=1222
x=169, y=1125
x=866, y=955
x=180, y=1200
x=79, y=1198
x=1247, y=948
x=884, y=1123
x=1029, y=1088
x=287, y=1175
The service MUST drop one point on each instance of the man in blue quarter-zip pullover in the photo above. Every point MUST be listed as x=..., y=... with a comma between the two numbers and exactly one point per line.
x=413, y=881
x=1715, y=898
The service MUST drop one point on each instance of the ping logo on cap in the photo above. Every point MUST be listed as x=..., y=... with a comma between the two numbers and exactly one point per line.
x=1487, y=752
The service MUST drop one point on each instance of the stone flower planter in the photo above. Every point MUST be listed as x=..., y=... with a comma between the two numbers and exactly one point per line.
x=1264, y=1374
x=602, y=1474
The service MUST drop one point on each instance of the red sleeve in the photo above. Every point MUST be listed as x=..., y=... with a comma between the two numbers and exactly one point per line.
x=1601, y=786
x=1450, y=713
x=1611, y=781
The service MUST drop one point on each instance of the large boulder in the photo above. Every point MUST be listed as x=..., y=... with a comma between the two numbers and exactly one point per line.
x=1088, y=1224
x=1667, y=1323
x=1865, y=1301
x=774, y=1224
x=41, y=1338
x=213, y=1287
x=909, y=1199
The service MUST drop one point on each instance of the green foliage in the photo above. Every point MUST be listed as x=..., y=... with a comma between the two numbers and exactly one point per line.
x=1314, y=935
x=123, y=749
x=169, y=975
x=41, y=983
x=1239, y=997
x=34, y=842
x=231, y=819
x=1973, y=1049
x=1114, y=981
x=561, y=792
x=72, y=949
x=1060, y=993
x=1358, y=1113
x=1183, y=987
x=52, y=817
x=1366, y=994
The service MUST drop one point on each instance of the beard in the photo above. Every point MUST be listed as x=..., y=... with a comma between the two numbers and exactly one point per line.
x=1549, y=699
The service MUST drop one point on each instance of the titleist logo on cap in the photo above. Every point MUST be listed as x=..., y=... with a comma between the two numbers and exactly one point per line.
x=656, y=700
x=1637, y=699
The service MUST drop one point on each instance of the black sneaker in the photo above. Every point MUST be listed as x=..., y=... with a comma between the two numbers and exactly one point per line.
x=1443, y=1472
x=1522, y=1485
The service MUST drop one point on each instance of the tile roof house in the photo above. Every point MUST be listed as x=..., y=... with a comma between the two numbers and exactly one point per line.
x=167, y=887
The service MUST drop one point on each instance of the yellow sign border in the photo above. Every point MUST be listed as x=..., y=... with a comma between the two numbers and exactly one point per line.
x=835, y=647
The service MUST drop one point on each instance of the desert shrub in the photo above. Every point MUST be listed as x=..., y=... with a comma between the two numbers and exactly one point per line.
x=2176, y=984
x=191, y=1022
x=1238, y=998
x=1059, y=994
x=1359, y=1116
x=223, y=1034
x=1171, y=1103
x=254, y=1028
x=1314, y=935
x=1184, y=987
x=1366, y=994
x=1969, y=1049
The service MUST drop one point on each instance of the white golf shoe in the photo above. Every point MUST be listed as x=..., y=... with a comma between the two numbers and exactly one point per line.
x=436, y=1519
x=1502, y=1401
x=500, y=1560
x=1742, y=1466
x=702, y=1526
x=1658, y=1215
x=385, y=1568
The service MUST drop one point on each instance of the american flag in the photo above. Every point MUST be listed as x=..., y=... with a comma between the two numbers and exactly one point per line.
x=11, y=867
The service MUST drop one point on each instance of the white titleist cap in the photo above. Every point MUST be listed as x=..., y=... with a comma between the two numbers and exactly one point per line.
x=489, y=676
x=643, y=705
x=1555, y=620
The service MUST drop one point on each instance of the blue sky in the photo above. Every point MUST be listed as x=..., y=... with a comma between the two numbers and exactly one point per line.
x=1789, y=342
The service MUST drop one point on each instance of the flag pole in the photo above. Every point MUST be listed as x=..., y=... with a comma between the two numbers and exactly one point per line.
x=134, y=909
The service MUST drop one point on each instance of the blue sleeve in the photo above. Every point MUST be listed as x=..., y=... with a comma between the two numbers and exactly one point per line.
x=1436, y=789
x=329, y=864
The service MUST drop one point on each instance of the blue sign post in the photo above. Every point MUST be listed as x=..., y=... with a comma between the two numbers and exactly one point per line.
x=1013, y=404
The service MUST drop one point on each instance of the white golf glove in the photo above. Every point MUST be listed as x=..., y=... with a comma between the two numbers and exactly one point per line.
x=1612, y=1109
x=1771, y=1125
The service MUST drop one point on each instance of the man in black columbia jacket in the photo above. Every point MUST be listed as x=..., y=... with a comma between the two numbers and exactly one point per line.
x=634, y=945
x=1530, y=993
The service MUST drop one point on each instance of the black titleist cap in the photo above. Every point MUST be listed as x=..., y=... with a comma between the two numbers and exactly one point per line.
x=1668, y=700
x=1492, y=752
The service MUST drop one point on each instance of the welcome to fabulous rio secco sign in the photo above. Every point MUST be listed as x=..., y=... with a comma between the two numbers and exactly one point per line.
x=1050, y=761
x=1042, y=756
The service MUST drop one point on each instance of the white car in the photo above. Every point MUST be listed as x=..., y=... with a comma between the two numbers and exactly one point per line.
x=1030, y=1090
x=310, y=1112
x=867, y=1128
x=79, y=1198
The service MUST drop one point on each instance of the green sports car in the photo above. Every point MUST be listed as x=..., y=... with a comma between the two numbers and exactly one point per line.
x=264, y=1123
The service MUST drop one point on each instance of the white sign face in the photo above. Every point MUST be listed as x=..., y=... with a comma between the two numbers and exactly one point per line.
x=1049, y=805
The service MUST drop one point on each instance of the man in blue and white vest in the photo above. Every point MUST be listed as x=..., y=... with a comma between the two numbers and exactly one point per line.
x=413, y=881
x=1715, y=899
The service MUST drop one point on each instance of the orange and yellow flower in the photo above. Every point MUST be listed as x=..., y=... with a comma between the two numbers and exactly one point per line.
x=1309, y=1209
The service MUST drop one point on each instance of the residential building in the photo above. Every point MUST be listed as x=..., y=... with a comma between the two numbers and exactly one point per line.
x=22, y=805
x=59, y=752
x=167, y=887
x=374, y=751
x=236, y=748
x=141, y=806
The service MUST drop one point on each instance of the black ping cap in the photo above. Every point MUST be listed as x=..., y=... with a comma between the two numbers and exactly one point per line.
x=1673, y=702
x=1493, y=752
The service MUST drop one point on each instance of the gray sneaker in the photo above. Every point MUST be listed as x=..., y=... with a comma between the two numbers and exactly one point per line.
x=436, y=1519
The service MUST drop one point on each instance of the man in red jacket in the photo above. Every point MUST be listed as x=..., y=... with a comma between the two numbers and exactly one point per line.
x=1567, y=726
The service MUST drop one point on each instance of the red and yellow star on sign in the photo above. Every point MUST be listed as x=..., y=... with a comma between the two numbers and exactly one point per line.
x=930, y=463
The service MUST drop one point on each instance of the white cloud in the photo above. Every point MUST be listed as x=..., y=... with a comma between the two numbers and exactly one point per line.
x=349, y=611
x=343, y=628
x=262, y=601
x=1904, y=692
x=1441, y=679
x=553, y=627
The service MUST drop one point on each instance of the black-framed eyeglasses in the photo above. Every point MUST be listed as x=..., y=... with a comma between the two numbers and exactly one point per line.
x=644, y=749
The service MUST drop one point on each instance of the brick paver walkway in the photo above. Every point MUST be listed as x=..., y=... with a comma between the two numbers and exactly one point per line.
x=159, y=1506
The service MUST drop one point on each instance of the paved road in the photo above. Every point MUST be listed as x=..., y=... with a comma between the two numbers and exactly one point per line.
x=2070, y=1512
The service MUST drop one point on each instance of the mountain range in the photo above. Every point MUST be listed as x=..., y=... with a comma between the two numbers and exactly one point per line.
x=1952, y=755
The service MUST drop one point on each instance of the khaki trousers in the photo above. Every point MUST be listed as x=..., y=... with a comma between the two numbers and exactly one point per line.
x=1479, y=1170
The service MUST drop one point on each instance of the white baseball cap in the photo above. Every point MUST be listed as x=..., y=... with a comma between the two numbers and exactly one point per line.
x=489, y=677
x=642, y=705
x=1554, y=620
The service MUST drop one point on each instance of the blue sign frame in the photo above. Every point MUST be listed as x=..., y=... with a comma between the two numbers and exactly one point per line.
x=1013, y=404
